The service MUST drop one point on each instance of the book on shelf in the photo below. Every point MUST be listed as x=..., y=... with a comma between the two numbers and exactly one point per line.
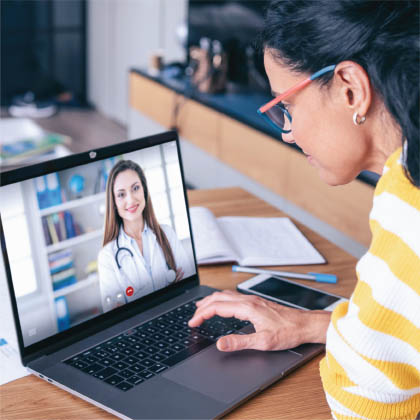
x=52, y=229
x=253, y=241
x=69, y=225
x=59, y=227
x=47, y=234
x=62, y=269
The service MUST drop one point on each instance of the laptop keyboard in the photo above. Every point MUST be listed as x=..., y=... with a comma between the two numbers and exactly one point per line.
x=140, y=353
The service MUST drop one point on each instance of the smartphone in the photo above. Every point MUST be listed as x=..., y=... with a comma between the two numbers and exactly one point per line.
x=290, y=293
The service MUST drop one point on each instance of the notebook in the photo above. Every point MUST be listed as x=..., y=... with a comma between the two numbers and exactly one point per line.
x=252, y=241
x=114, y=339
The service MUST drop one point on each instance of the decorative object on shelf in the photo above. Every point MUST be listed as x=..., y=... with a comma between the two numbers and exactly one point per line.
x=77, y=185
x=92, y=267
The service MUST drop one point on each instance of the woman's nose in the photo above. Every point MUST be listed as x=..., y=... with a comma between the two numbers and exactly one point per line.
x=129, y=197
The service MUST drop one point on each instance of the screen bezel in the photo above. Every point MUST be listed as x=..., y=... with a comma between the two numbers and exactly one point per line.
x=245, y=287
x=108, y=319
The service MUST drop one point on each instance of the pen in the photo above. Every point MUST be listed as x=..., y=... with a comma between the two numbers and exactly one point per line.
x=319, y=277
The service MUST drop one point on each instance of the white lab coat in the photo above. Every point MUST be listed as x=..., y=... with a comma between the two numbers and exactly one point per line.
x=132, y=281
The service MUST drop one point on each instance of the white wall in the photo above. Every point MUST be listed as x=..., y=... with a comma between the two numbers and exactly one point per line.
x=122, y=34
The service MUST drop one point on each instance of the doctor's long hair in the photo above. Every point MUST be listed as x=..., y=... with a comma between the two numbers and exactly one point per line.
x=113, y=220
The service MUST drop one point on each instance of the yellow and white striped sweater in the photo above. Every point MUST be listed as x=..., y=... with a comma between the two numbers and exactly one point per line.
x=372, y=365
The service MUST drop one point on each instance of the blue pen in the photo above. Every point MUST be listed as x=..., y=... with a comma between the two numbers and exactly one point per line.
x=319, y=277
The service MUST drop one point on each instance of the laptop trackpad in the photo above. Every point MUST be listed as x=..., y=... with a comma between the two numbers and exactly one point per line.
x=227, y=376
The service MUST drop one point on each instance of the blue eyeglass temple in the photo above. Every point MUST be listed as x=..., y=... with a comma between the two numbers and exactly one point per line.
x=312, y=77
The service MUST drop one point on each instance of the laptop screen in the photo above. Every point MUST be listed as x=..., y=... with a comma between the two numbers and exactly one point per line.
x=91, y=238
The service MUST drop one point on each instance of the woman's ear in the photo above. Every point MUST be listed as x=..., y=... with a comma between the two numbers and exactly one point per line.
x=354, y=87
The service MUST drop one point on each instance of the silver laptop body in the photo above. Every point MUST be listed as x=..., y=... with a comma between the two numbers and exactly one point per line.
x=200, y=382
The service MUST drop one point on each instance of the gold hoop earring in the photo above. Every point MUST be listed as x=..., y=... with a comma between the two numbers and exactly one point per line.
x=356, y=121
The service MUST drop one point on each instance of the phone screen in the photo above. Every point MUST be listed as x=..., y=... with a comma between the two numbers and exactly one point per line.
x=300, y=296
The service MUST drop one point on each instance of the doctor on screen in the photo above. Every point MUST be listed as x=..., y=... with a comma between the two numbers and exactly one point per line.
x=139, y=256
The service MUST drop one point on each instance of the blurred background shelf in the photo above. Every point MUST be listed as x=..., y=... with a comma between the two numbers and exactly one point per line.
x=74, y=241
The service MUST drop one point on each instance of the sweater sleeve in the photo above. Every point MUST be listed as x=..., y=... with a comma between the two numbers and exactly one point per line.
x=372, y=365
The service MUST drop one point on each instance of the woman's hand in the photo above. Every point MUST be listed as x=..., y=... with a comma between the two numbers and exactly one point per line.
x=179, y=274
x=277, y=327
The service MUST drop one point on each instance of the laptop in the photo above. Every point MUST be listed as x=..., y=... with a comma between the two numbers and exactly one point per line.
x=132, y=355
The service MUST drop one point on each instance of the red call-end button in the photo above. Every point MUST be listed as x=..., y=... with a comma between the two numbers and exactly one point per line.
x=129, y=291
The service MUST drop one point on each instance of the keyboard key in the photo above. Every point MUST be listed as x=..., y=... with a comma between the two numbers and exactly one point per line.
x=195, y=338
x=121, y=365
x=168, y=352
x=128, y=351
x=104, y=373
x=158, y=357
x=177, y=327
x=137, y=347
x=189, y=351
x=141, y=355
x=126, y=373
x=117, y=356
x=90, y=359
x=151, y=350
x=80, y=365
x=158, y=337
x=146, y=374
x=146, y=363
x=100, y=354
x=122, y=345
x=135, y=380
x=178, y=347
x=106, y=361
x=151, y=330
x=157, y=368
x=131, y=360
x=114, y=380
x=93, y=368
x=124, y=386
x=161, y=345
x=137, y=368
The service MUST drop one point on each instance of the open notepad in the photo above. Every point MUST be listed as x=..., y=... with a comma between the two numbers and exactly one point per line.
x=250, y=240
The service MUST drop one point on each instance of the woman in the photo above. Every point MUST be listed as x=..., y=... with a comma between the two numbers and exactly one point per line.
x=139, y=256
x=360, y=112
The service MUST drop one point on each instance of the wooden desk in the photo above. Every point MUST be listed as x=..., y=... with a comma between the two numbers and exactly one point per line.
x=298, y=396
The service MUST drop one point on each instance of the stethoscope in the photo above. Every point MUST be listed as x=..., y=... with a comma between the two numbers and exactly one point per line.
x=170, y=276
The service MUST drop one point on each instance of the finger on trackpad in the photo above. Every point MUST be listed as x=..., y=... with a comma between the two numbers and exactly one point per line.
x=227, y=377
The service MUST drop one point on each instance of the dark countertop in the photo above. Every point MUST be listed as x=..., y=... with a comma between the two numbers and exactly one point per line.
x=241, y=106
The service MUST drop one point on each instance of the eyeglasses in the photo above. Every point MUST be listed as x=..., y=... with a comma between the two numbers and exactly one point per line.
x=275, y=111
